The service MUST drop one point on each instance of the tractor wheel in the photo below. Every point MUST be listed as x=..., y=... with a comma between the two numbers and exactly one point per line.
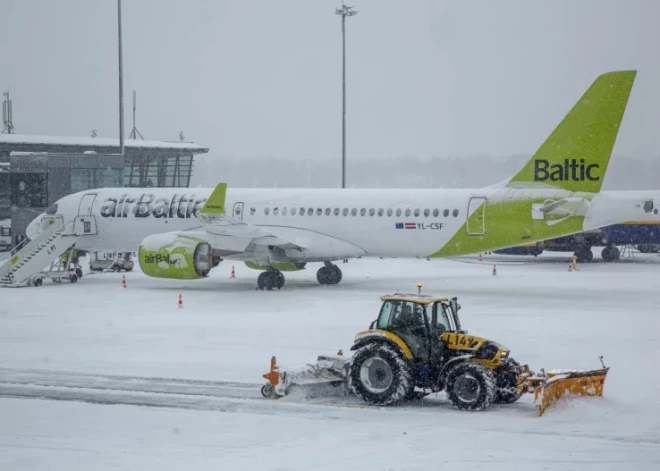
x=506, y=381
x=470, y=386
x=380, y=374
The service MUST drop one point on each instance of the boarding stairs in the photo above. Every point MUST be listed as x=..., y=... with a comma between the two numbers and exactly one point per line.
x=25, y=264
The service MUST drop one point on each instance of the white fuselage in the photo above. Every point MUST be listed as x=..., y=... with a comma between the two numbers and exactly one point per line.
x=371, y=222
x=367, y=218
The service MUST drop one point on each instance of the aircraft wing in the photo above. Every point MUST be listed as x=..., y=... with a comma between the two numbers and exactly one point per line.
x=215, y=220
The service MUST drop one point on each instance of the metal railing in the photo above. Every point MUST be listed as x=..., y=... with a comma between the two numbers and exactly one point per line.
x=32, y=241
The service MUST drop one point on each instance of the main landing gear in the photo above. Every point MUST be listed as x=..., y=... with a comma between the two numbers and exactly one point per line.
x=329, y=274
x=611, y=253
x=270, y=279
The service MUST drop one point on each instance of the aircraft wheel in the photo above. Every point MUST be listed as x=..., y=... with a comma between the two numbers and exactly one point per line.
x=270, y=279
x=79, y=272
x=616, y=253
x=329, y=274
x=279, y=277
x=610, y=254
x=38, y=282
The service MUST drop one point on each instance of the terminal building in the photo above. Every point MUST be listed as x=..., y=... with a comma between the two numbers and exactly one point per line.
x=36, y=171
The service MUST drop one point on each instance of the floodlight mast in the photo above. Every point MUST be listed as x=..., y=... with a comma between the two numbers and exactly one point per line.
x=344, y=11
x=121, y=82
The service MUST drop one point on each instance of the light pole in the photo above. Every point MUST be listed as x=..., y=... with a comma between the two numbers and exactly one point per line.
x=121, y=83
x=344, y=11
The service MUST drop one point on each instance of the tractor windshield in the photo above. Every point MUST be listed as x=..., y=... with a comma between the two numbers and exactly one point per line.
x=404, y=315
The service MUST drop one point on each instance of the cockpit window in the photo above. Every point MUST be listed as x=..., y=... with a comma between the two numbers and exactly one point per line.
x=52, y=209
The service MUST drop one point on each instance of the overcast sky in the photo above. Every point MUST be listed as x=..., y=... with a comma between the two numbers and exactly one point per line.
x=259, y=78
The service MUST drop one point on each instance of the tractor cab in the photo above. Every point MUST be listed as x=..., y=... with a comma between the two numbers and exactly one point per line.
x=419, y=320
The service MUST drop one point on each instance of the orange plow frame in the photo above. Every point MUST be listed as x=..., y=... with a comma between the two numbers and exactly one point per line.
x=549, y=387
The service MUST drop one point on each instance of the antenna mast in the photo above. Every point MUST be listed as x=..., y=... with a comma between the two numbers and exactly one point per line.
x=135, y=131
x=7, y=114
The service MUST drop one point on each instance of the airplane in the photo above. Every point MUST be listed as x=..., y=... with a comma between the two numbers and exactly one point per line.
x=184, y=233
x=643, y=235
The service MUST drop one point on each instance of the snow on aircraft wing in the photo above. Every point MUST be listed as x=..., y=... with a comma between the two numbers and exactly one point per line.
x=216, y=221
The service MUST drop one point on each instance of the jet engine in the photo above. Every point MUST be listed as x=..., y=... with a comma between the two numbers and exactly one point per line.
x=175, y=255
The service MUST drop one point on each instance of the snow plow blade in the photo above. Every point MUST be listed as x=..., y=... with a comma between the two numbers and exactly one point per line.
x=556, y=384
x=326, y=377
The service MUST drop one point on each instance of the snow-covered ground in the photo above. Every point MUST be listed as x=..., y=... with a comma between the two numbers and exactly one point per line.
x=92, y=351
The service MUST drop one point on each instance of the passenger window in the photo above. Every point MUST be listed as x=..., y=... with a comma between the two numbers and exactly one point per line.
x=252, y=211
x=345, y=212
x=284, y=210
x=336, y=211
x=445, y=213
x=275, y=211
x=327, y=211
x=302, y=211
x=354, y=212
x=407, y=212
x=398, y=213
x=372, y=211
x=363, y=212
x=436, y=213
x=416, y=212
x=310, y=212
x=427, y=212
x=380, y=211
x=266, y=211
x=293, y=211
x=389, y=212
x=455, y=213
x=319, y=212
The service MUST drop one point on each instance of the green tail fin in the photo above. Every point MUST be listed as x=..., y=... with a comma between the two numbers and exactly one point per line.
x=575, y=156
x=216, y=202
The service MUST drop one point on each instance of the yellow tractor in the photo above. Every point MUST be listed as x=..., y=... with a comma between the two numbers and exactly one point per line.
x=417, y=346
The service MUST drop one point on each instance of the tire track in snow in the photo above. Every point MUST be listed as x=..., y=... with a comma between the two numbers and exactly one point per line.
x=222, y=396
x=66, y=379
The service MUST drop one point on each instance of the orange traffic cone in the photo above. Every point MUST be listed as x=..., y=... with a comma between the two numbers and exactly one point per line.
x=480, y=257
x=180, y=301
x=123, y=281
x=233, y=273
x=494, y=270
